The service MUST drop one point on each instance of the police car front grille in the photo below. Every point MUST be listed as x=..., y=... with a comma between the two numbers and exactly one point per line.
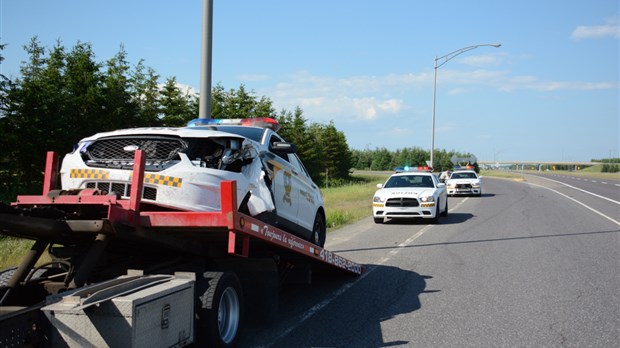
x=118, y=152
x=122, y=189
x=463, y=186
x=402, y=202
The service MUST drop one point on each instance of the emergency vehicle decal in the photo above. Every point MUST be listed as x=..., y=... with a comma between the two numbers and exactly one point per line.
x=89, y=174
x=162, y=180
x=288, y=182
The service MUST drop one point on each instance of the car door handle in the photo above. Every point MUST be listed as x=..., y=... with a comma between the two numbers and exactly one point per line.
x=295, y=172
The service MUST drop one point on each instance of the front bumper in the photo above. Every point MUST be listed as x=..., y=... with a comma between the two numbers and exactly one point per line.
x=425, y=211
x=464, y=191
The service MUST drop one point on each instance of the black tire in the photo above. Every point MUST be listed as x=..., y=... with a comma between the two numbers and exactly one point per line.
x=220, y=312
x=435, y=220
x=319, y=230
x=6, y=275
x=378, y=220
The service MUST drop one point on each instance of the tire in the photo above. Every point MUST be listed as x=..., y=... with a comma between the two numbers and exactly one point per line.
x=378, y=220
x=220, y=310
x=435, y=220
x=318, y=230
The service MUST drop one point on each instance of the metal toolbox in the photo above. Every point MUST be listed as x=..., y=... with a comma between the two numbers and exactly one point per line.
x=129, y=311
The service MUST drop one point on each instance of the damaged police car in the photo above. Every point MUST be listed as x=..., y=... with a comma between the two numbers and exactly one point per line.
x=185, y=165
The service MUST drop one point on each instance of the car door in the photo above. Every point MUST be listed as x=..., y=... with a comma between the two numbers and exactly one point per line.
x=286, y=198
x=305, y=191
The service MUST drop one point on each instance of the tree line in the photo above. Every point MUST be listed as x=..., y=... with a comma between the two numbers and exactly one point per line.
x=64, y=94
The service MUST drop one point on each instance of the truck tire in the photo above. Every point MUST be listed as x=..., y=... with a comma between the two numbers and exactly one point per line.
x=5, y=276
x=221, y=310
x=318, y=230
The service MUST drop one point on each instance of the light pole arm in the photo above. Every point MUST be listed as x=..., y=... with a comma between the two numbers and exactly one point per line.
x=446, y=58
x=443, y=60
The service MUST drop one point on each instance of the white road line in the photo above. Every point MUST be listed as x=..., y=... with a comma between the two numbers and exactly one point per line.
x=317, y=307
x=580, y=203
x=578, y=189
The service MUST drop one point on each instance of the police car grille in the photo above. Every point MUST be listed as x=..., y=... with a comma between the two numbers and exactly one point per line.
x=122, y=189
x=118, y=152
x=402, y=202
x=463, y=186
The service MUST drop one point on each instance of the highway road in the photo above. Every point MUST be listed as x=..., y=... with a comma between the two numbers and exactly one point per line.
x=531, y=263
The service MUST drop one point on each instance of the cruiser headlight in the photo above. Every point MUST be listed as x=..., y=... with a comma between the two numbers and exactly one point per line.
x=378, y=199
x=475, y=184
x=427, y=199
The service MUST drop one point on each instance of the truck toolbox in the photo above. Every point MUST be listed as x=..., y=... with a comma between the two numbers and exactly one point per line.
x=147, y=311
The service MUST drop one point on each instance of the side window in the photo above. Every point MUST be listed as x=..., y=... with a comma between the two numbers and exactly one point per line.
x=296, y=163
x=274, y=139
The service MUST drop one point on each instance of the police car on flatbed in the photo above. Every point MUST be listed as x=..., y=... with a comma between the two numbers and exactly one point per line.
x=185, y=165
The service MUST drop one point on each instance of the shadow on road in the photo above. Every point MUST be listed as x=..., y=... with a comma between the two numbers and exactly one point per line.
x=452, y=218
x=339, y=312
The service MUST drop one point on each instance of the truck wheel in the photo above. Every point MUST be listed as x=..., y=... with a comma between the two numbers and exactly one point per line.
x=220, y=312
x=318, y=230
x=5, y=276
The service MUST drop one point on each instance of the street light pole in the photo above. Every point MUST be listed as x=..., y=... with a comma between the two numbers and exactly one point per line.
x=444, y=59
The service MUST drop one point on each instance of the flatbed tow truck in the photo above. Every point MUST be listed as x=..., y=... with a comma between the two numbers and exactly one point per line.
x=127, y=273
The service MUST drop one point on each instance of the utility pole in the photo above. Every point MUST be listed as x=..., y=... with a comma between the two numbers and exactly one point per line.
x=204, y=106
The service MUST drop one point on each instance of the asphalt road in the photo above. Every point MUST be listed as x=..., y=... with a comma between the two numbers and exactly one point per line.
x=528, y=264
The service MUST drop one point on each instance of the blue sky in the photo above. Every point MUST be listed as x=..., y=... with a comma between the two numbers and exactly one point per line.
x=550, y=93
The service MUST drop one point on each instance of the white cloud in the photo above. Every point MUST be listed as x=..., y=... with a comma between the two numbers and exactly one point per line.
x=611, y=29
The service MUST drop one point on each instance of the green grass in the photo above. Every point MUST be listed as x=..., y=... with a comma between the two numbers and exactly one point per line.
x=351, y=203
x=12, y=250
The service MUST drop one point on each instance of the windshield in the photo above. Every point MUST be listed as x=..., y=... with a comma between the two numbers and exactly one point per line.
x=463, y=176
x=409, y=181
x=252, y=133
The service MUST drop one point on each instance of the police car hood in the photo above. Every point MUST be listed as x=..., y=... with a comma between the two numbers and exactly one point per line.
x=182, y=132
x=464, y=181
x=406, y=192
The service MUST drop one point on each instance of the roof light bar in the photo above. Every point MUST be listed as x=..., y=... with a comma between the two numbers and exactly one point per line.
x=263, y=122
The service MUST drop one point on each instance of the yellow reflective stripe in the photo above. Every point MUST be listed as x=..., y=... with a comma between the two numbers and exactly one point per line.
x=162, y=180
x=89, y=174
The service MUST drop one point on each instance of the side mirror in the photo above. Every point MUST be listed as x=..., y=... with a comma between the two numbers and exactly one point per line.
x=283, y=147
x=379, y=186
x=441, y=184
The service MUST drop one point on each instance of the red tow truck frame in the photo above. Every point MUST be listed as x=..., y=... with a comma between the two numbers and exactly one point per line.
x=240, y=227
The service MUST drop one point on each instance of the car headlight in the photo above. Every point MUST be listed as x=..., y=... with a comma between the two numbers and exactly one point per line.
x=475, y=184
x=378, y=199
x=450, y=184
x=427, y=199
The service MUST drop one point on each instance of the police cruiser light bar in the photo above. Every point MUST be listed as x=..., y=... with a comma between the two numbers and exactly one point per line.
x=263, y=122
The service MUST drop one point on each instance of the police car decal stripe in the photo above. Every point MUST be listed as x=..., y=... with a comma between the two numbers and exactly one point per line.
x=162, y=180
x=89, y=174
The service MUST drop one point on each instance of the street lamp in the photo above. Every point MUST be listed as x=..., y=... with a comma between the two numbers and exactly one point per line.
x=444, y=59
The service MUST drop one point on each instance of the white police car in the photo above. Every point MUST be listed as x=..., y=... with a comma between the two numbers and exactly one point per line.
x=409, y=195
x=185, y=165
x=464, y=182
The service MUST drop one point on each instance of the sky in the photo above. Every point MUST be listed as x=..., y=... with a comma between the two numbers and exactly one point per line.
x=549, y=93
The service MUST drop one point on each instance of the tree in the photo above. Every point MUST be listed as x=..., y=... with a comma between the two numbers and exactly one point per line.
x=145, y=94
x=175, y=105
x=119, y=107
